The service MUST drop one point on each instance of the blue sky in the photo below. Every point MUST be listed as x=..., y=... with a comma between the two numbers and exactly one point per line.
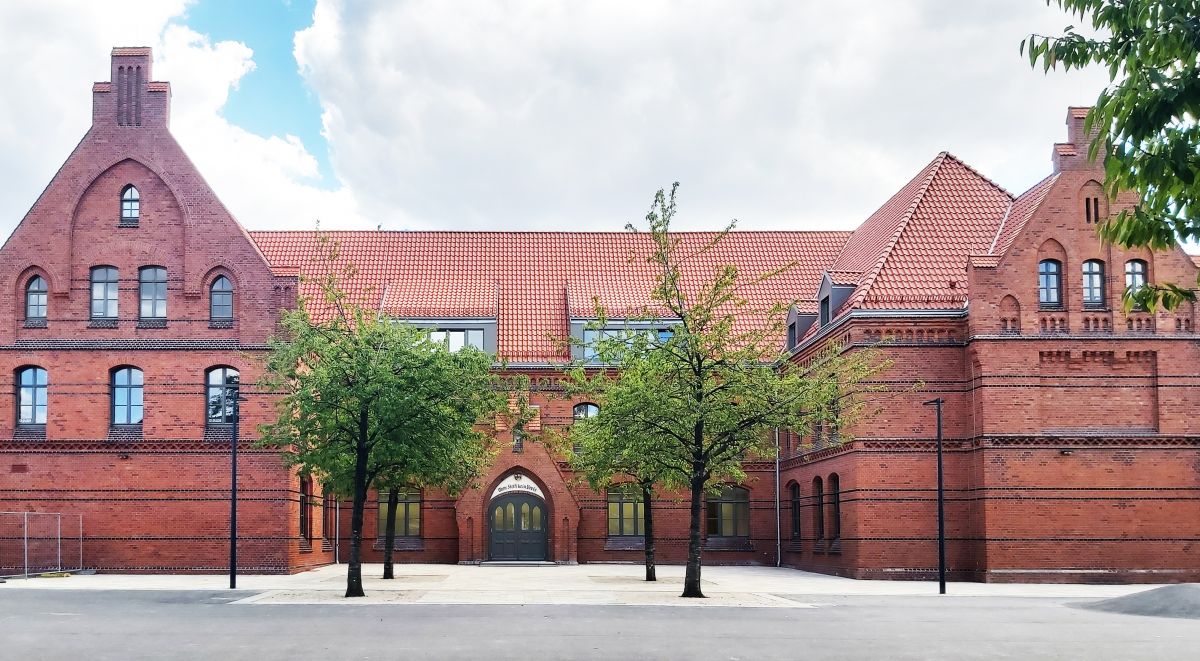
x=273, y=98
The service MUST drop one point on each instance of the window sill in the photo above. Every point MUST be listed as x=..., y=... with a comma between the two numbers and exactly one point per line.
x=102, y=323
x=835, y=547
x=36, y=323
x=794, y=546
x=124, y=433
x=1050, y=308
x=305, y=545
x=29, y=433
x=326, y=544
x=152, y=323
x=220, y=323
x=728, y=544
x=401, y=544
x=625, y=543
x=127, y=224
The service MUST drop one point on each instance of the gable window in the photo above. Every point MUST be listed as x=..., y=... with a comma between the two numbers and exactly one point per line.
x=1093, y=283
x=127, y=391
x=408, y=512
x=131, y=206
x=35, y=298
x=32, y=390
x=626, y=511
x=221, y=390
x=104, y=292
x=794, y=495
x=729, y=513
x=457, y=338
x=152, y=292
x=220, y=299
x=1050, y=283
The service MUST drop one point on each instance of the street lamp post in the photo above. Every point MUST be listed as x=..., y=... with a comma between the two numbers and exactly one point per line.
x=235, y=391
x=941, y=500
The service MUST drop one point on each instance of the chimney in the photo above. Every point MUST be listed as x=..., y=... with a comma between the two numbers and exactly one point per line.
x=1073, y=154
x=131, y=99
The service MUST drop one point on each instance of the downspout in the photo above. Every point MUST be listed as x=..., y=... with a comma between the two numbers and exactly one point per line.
x=337, y=532
x=778, y=532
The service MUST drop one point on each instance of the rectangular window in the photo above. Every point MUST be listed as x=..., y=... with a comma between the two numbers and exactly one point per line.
x=626, y=513
x=152, y=292
x=408, y=513
x=825, y=311
x=104, y=292
x=455, y=339
x=729, y=513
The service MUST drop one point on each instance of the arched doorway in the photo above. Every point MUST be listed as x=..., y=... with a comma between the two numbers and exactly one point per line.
x=517, y=525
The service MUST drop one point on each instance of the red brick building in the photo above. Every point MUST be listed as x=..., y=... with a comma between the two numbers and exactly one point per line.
x=1072, y=454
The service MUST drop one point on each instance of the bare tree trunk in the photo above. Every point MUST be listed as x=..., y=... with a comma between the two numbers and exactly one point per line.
x=691, y=577
x=648, y=529
x=354, y=585
x=389, y=539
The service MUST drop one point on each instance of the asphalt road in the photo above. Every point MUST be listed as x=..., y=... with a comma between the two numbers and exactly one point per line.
x=100, y=625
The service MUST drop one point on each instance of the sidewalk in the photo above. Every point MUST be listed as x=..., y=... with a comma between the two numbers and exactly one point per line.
x=760, y=587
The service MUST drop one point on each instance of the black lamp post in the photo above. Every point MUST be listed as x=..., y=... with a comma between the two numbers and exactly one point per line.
x=234, y=392
x=941, y=499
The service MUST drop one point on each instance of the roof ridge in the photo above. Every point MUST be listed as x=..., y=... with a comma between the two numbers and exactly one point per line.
x=546, y=232
x=934, y=167
x=981, y=175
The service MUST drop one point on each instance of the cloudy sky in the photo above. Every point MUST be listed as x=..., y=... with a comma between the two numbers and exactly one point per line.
x=532, y=114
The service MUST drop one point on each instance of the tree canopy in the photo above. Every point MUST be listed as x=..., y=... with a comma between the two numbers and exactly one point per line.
x=366, y=402
x=1146, y=118
x=700, y=380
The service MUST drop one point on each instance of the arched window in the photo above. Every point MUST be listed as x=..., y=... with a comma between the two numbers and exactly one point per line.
x=835, y=507
x=794, y=495
x=32, y=390
x=35, y=298
x=152, y=292
x=1135, y=274
x=818, y=509
x=104, y=292
x=729, y=513
x=306, y=498
x=408, y=512
x=1050, y=283
x=584, y=411
x=1093, y=284
x=126, y=385
x=220, y=299
x=222, y=385
x=626, y=511
x=131, y=205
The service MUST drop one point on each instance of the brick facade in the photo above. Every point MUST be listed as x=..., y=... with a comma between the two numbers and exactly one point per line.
x=1070, y=450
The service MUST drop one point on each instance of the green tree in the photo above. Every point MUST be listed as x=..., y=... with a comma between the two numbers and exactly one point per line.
x=1146, y=118
x=692, y=404
x=364, y=399
x=603, y=450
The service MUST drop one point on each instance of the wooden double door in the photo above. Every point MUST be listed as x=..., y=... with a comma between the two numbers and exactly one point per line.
x=517, y=524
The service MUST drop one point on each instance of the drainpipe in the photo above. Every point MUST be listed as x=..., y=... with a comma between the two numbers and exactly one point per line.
x=337, y=532
x=778, y=532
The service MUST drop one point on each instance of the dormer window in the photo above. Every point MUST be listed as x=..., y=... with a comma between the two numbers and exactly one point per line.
x=791, y=335
x=825, y=311
x=131, y=206
x=457, y=338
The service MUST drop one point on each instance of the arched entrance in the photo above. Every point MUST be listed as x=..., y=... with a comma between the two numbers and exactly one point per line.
x=517, y=525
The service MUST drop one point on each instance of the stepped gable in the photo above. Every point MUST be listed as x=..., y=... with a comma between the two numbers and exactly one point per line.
x=533, y=283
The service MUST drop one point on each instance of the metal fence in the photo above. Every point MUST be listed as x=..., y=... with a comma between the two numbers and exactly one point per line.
x=34, y=543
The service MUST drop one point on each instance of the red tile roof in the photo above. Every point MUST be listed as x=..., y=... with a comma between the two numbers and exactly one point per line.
x=1019, y=213
x=1195, y=259
x=913, y=250
x=533, y=283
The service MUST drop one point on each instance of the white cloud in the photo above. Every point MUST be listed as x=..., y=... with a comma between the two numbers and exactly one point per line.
x=789, y=115
x=57, y=49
